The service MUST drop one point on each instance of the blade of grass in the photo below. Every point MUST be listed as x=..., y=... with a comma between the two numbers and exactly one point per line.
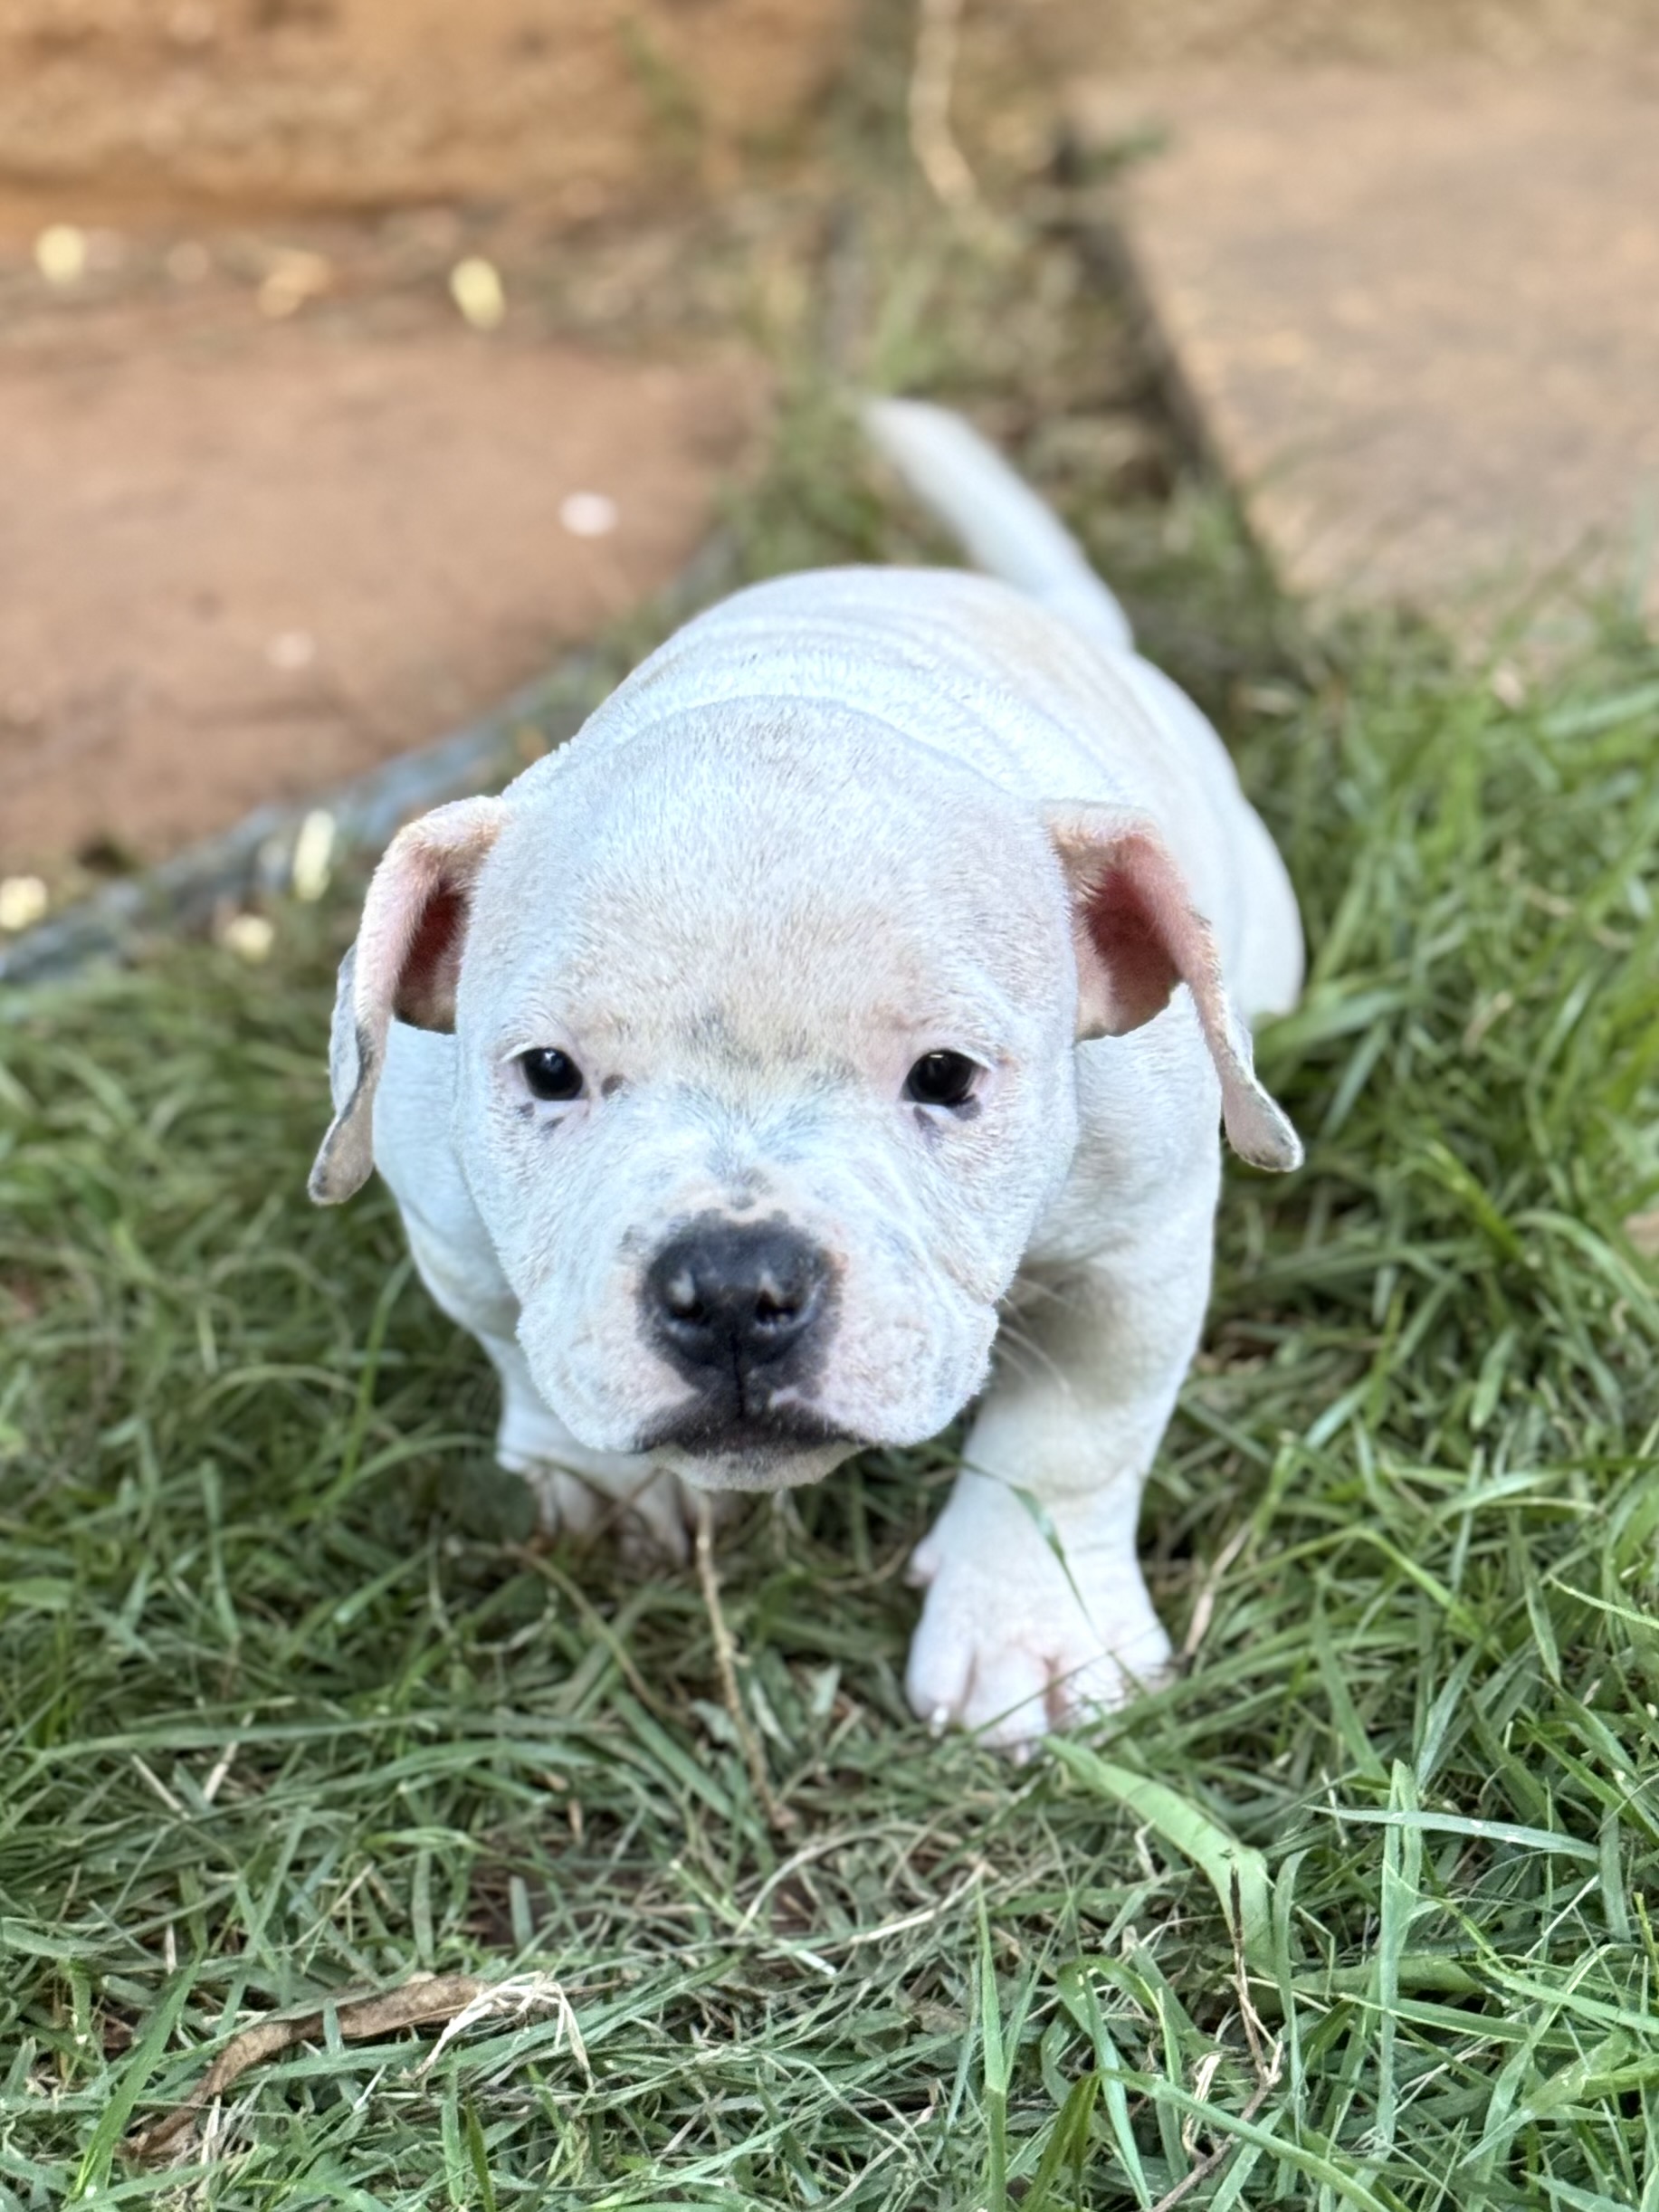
x=1235, y=1870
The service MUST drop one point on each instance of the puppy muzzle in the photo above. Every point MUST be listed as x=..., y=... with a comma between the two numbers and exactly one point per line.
x=744, y=1312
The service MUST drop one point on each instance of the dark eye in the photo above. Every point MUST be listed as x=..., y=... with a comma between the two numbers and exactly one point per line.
x=551, y=1075
x=941, y=1079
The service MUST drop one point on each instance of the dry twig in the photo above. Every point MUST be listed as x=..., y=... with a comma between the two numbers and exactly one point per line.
x=1267, y=2058
x=938, y=156
x=1204, y=1604
x=779, y=1817
x=457, y=2000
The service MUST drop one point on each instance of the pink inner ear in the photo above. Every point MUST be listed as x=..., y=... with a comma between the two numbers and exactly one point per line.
x=1134, y=913
x=426, y=992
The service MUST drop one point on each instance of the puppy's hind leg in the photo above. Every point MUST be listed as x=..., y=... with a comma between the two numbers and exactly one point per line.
x=1036, y=1610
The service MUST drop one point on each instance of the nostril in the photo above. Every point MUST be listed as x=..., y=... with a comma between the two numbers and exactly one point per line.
x=777, y=1304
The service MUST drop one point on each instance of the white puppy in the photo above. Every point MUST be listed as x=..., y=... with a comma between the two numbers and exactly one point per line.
x=873, y=968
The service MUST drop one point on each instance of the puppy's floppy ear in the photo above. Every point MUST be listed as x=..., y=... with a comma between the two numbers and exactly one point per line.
x=1138, y=935
x=406, y=962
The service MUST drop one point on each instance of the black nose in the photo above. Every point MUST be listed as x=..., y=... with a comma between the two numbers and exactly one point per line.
x=727, y=1298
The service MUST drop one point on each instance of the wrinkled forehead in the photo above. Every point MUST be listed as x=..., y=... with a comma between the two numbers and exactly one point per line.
x=768, y=885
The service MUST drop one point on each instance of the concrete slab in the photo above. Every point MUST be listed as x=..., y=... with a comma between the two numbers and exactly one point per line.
x=1417, y=313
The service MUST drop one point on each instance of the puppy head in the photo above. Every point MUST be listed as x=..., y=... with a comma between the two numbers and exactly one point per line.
x=764, y=1072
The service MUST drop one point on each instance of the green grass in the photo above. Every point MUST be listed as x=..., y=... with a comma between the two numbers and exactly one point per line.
x=292, y=1710
x=247, y=1503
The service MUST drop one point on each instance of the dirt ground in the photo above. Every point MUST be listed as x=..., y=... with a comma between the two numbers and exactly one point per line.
x=248, y=555
x=129, y=108
x=256, y=569
x=270, y=510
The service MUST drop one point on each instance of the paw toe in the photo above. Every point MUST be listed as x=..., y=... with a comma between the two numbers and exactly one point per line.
x=937, y=1676
x=923, y=1564
x=565, y=1506
x=653, y=1523
x=1009, y=1703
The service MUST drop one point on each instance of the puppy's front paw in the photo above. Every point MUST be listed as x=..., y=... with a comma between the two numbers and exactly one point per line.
x=651, y=1520
x=1013, y=1642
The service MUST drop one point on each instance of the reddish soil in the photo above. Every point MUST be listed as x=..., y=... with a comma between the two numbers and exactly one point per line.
x=116, y=107
x=268, y=510
x=242, y=571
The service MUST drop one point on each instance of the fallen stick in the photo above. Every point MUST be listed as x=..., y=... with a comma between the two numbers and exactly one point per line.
x=456, y=1999
x=779, y=1818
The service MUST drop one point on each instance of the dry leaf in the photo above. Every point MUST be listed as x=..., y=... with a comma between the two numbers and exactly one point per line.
x=24, y=900
x=438, y=1996
x=476, y=288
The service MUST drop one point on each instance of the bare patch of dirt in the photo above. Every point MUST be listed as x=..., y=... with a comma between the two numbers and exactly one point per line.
x=120, y=107
x=271, y=511
x=246, y=560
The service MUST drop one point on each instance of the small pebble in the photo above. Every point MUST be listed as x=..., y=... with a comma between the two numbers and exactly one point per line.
x=588, y=514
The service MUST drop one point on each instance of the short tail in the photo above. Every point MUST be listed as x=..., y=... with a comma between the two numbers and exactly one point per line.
x=996, y=517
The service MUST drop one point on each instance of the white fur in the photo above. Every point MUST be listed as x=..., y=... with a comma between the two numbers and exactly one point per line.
x=840, y=821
